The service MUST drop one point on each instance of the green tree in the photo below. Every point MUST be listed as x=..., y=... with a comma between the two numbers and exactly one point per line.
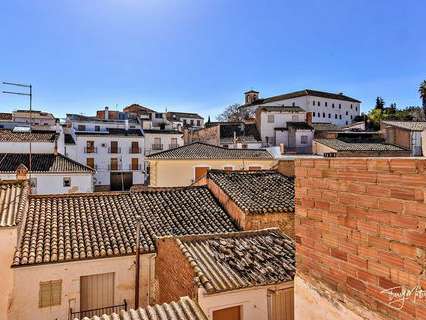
x=380, y=103
x=392, y=108
x=422, y=93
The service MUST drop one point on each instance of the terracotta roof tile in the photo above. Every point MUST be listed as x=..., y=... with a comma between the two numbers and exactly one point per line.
x=199, y=150
x=257, y=191
x=41, y=162
x=7, y=135
x=13, y=202
x=240, y=260
x=183, y=309
x=340, y=145
x=408, y=125
x=84, y=226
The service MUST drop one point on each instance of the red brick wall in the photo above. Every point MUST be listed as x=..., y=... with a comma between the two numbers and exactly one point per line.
x=361, y=228
x=173, y=273
x=282, y=220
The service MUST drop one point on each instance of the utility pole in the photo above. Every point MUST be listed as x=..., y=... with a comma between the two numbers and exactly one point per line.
x=30, y=95
x=137, y=274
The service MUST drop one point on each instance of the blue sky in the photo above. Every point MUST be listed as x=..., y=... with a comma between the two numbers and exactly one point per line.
x=200, y=55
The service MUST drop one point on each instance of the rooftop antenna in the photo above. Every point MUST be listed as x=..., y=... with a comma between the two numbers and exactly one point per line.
x=29, y=94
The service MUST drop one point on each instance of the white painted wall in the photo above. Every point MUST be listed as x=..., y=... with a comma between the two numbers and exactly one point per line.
x=8, y=238
x=53, y=183
x=280, y=121
x=166, y=140
x=25, y=302
x=103, y=157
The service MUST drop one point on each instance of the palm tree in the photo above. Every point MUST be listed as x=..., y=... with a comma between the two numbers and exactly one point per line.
x=422, y=93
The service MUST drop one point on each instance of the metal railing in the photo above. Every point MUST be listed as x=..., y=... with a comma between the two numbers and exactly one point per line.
x=97, y=312
x=157, y=146
x=135, y=150
x=135, y=167
x=173, y=145
x=113, y=167
x=90, y=150
x=114, y=150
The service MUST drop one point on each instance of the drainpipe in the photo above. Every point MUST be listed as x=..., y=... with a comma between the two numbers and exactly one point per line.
x=137, y=273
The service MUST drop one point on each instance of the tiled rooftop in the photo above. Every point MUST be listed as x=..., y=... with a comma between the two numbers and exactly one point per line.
x=240, y=260
x=340, y=145
x=13, y=202
x=7, y=135
x=184, y=309
x=84, y=226
x=199, y=150
x=409, y=125
x=244, y=132
x=41, y=162
x=257, y=191
x=282, y=108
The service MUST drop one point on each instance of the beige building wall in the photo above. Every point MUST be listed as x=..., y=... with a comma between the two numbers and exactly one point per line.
x=253, y=301
x=8, y=237
x=25, y=301
x=173, y=173
x=320, y=149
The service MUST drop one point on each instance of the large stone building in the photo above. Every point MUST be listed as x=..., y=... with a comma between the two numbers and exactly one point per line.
x=335, y=108
x=185, y=165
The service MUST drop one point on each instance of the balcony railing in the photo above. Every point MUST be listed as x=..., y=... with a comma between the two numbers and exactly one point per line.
x=114, y=150
x=135, y=150
x=157, y=146
x=90, y=150
x=135, y=167
x=114, y=167
x=173, y=145
x=97, y=312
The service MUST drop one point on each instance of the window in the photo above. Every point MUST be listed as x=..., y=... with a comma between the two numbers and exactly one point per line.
x=90, y=162
x=313, y=102
x=271, y=118
x=158, y=116
x=135, y=164
x=228, y=168
x=225, y=146
x=335, y=116
x=340, y=116
x=332, y=105
x=50, y=293
x=356, y=108
x=67, y=182
x=319, y=103
x=157, y=140
x=313, y=113
x=173, y=143
x=81, y=127
x=114, y=164
x=323, y=114
x=135, y=147
x=199, y=123
x=33, y=182
x=326, y=103
x=293, y=104
x=346, y=122
x=253, y=168
x=304, y=139
x=90, y=146
x=192, y=122
x=97, y=128
x=184, y=122
x=244, y=146
x=114, y=147
x=294, y=118
x=351, y=117
x=340, y=106
x=347, y=113
x=329, y=115
x=351, y=105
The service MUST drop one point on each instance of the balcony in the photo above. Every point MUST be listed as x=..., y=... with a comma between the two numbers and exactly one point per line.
x=114, y=150
x=97, y=312
x=135, y=167
x=135, y=150
x=114, y=167
x=157, y=146
x=90, y=150
x=173, y=145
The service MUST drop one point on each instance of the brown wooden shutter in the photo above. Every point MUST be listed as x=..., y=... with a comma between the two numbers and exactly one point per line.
x=90, y=162
x=96, y=291
x=232, y=313
x=282, y=304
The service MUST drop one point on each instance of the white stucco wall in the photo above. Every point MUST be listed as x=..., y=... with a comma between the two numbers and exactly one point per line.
x=166, y=140
x=24, y=147
x=25, y=303
x=50, y=183
x=103, y=157
x=280, y=121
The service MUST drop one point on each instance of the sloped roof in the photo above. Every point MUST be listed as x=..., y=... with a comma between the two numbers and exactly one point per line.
x=301, y=93
x=262, y=191
x=7, y=135
x=5, y=116
x=240, y=260
x=61, y=228
x=13, y=202
x=200, y=150
x=183, y=309
x=179, y=115
x=408, y=125
x=325, y=126
x=282, y=108
x=340, y=145
x=41, y=162
x=245, y=132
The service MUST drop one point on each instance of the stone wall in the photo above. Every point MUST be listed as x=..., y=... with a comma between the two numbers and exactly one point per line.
x=360, y=230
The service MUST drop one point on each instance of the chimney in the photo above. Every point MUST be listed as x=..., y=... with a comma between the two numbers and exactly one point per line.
x=309, y=118
x=251, y=96
x=106, y=113
x=126, y=124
